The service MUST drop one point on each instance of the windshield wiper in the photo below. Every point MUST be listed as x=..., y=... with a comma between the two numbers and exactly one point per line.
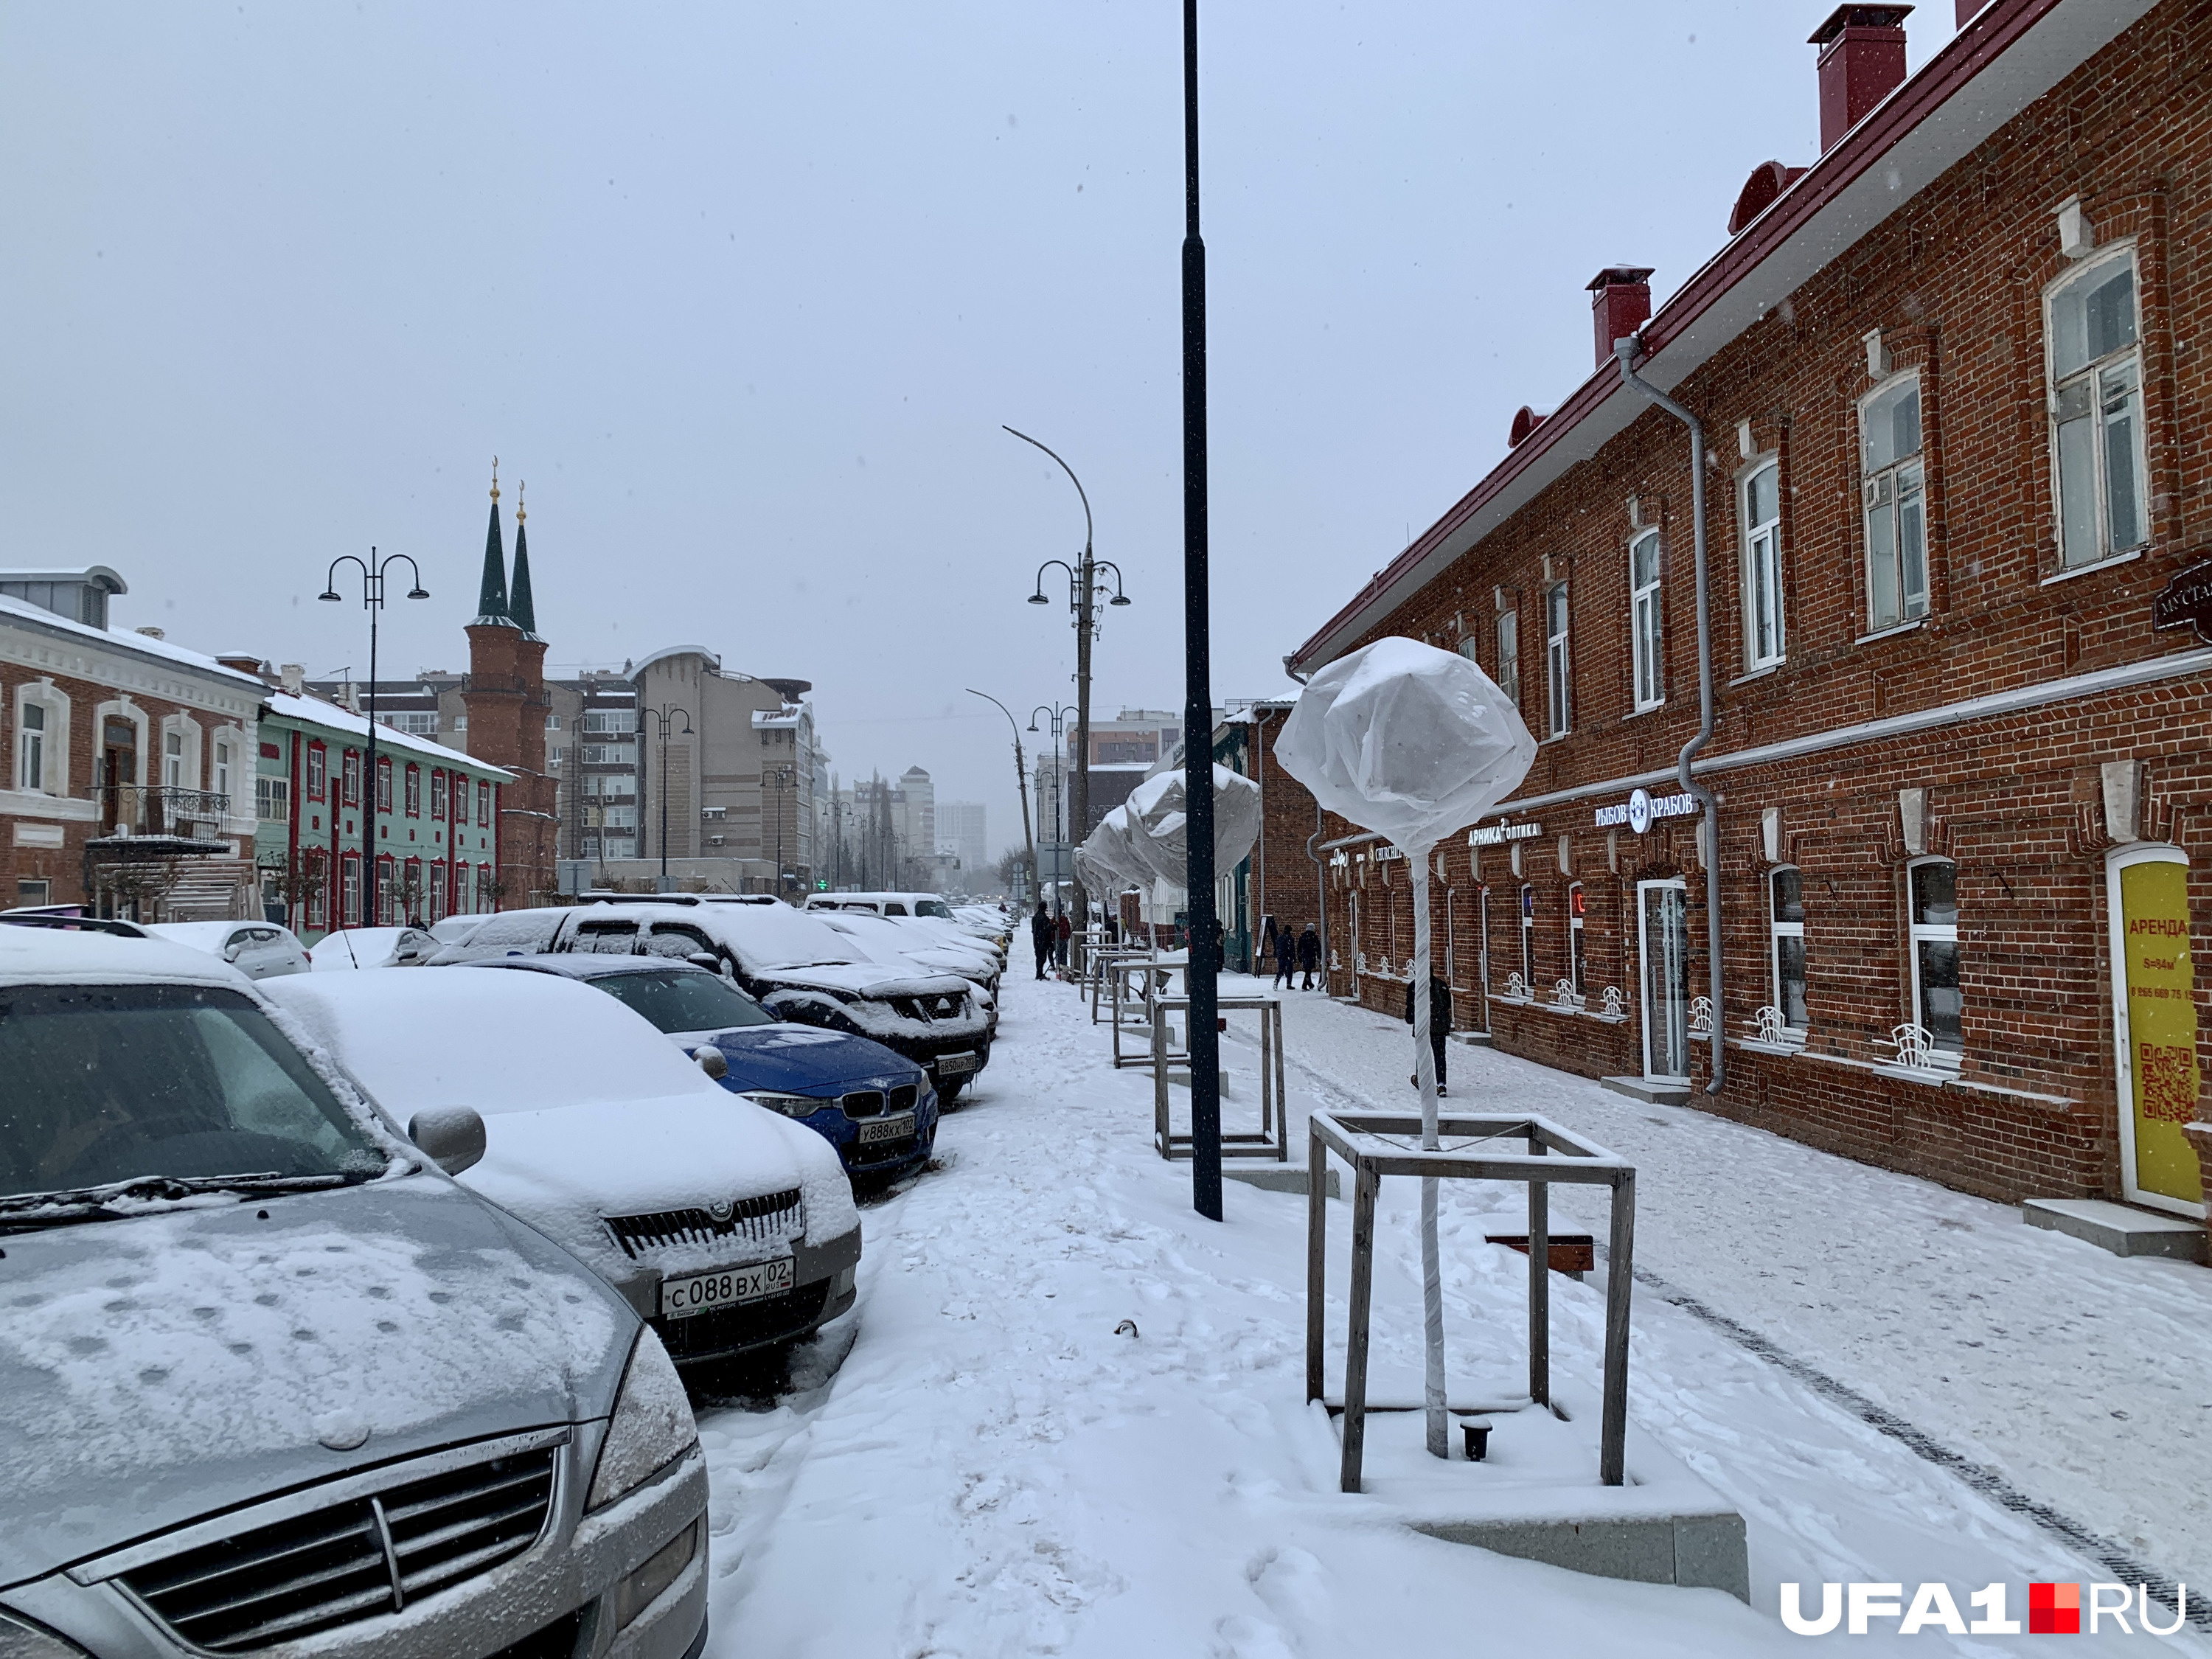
x=74, y=1203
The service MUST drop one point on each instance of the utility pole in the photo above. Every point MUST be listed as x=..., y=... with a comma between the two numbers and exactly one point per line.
x=1198, y=692
x=1021, y=783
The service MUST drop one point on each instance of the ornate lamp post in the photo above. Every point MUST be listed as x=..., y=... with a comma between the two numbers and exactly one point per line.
x=1083, y=591
x=663, y=714
x=372, y=599
x=1057, y=715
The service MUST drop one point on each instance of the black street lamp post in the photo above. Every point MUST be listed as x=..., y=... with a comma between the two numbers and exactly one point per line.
x=372, y=599
x=1083, y=591
x=1198, y=692
x=1021, y=783
x=782, y=780
x=667, y=712
x=1057, y=715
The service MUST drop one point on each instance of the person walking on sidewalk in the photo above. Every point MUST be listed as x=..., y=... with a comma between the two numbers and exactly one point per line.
x=1062, y=931
x=1287, y=958
x=1309, y=956
x=1040, y=937
x=1440, y=1015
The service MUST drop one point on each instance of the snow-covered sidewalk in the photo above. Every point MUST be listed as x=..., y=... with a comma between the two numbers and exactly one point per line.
x=994, y=1470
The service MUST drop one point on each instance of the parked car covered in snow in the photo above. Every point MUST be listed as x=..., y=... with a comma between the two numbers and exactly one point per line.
x=888, y=942
x=923, y=912
x=730, y=1228
x=373, y=947
x=507, y=933
x=876, y=1108
x=271, y=1381
x=803, y=970
x=258, y=949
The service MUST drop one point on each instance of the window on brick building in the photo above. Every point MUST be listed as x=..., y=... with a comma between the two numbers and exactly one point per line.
x=1646, y=625
x=1576, y=962
x=31, y=746
x=1762, y=565
x=1528, y=940
x=1558, y=700
x=1894, y=491
x=2097, y=410
x=1509, y=655
x=1785, y=927
x=1933, y=893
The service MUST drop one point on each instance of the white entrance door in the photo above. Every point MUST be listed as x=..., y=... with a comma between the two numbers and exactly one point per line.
x=2153, y=1025
x=1662, y=936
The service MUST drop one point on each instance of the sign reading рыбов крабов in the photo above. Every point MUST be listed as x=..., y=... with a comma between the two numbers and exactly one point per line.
x=1642, y=808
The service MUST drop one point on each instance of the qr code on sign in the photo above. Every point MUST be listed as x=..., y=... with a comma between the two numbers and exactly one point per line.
x=2168, y=1072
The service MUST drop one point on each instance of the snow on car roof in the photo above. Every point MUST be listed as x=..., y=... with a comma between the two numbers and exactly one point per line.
x=500, y=1042
x=201, y=935
x=768, y=936
x=50, y=956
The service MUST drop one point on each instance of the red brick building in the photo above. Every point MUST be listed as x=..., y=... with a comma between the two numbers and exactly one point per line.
x=1950, y=379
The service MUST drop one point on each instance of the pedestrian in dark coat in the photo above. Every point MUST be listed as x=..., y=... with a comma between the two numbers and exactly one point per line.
x=1309, y=956
x=1040, y=937
x=1440, y=1016
x=1287, y=958
x=1062, y=931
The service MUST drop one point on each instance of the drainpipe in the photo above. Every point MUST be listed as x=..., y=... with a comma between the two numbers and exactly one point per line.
x=1624, y=351
x=1321, y=871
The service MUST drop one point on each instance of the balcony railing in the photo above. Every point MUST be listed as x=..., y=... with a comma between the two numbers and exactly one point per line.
x=155, y=809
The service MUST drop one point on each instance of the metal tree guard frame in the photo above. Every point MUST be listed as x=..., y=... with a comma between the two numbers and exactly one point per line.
x=1374, y=1145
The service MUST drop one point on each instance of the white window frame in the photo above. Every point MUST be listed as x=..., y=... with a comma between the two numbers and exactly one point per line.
x=1647, y=622
x=1509, y=655
x=1777, y=931
x=272, y=799
x=1762, y=566
x=1558, y=689
x=1893, y=497
x=51, y=741
x=1916, y=933
x=2116, y=379
x=222, y=760
x=1528, y=938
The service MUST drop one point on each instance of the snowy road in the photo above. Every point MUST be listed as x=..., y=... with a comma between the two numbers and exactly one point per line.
x=992, y=1470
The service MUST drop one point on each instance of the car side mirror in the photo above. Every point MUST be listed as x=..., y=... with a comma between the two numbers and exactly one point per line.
x=706, y=959
x=451, y=1137
x=714, y=1063
x=231, y=951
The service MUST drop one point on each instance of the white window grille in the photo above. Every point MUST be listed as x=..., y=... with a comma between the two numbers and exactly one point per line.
x=1937, y=1000
x=1645, y=623
x=272, y=800
x=1894, y=491
x=2097, y=409
x=1786, y=946
x=30, y=747
x=1561, y=708
x=1509, y=655
x=1762, y=565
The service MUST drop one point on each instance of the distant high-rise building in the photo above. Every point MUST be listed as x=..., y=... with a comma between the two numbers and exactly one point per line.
x=960, y=831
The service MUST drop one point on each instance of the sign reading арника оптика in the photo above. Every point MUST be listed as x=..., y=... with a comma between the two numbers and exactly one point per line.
x=1639, y=810
x=1497, y=834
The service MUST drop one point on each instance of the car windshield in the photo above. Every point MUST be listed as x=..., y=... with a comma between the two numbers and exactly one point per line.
x=109, y=1082
x=677, y=1001
x=937, y=907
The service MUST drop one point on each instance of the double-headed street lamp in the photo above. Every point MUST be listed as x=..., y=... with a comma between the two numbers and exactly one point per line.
x=1084, y=588
x=667, y=712
x=372, y=599
x=783, y=776
x=1056, y=713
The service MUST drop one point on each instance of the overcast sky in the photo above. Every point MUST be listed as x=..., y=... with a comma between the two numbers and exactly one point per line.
x=744, y=291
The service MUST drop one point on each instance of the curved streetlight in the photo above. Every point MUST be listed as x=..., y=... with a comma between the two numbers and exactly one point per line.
x=372, y=599
x=665, y=714
x=1021, y=782
x=1083, y=598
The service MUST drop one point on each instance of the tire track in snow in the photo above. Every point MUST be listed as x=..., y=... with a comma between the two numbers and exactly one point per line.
x=2107, y=1552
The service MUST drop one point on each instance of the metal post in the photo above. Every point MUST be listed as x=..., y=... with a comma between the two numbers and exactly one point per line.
x=1364, y=1182
x=1197, y=694
x=1316, y=1256
x=372, y=599
x=1540, y=1283
x=1619, y=1274
x=1021, y=776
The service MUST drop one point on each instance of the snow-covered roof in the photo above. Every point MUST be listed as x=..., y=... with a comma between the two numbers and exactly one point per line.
x=314, y=710
x=713, y=660
x=144, y=644
x=98, y=575
x=789, y=714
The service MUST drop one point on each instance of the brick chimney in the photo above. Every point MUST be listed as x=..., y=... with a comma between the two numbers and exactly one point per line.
x=1862, y=63
x=1620, y=303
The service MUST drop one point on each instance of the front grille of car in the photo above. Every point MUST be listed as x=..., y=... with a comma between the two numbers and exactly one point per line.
x=864, y=1102
x=354, y=1560
x=947, y=1006
x=903, y=1097
x=771, y=1218
x=733, y=1329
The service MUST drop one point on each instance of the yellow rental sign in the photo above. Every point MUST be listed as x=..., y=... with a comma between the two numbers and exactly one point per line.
x=2161, y=1028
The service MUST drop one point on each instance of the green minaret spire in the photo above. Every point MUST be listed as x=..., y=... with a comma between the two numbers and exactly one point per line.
x=519, y=606
x=491, y=596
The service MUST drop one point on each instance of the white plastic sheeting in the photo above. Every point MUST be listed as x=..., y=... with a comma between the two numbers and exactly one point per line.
x=1412, y=743
x=1158, y=822
x=1108, y=860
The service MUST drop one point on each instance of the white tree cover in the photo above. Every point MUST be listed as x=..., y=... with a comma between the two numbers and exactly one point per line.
x=1411, y=742
x=1157, y=820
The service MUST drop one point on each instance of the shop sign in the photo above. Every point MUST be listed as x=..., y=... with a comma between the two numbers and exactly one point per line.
x=1497, y=834
x=1642, y=808
x=2186, y=602
x=1384, y=855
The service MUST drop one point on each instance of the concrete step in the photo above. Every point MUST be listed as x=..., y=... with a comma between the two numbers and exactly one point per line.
x=1472, y=1039
x=1645, y=1090
x=2120, y=1227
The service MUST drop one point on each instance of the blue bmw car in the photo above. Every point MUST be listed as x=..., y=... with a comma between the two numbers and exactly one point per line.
x=874, y=1105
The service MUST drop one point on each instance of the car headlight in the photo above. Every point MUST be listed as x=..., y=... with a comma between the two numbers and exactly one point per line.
x=20, y=1639
x=789, y=1105
x=652, y=1427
